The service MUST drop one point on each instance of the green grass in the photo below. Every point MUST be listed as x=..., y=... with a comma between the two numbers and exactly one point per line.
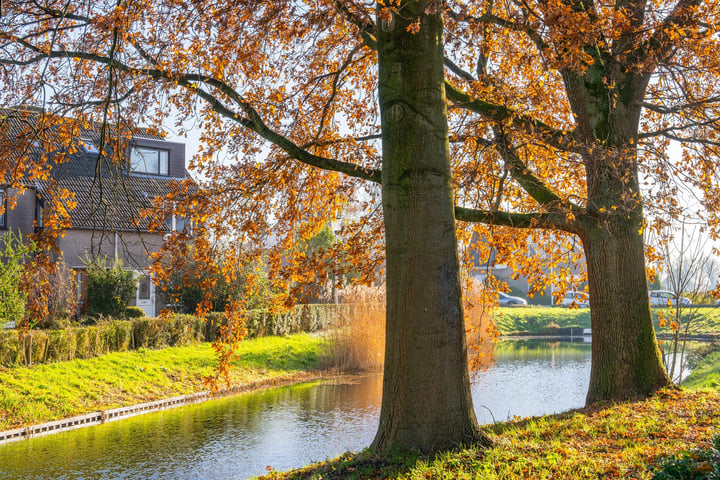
x=535, y=320
x=52, y=391
x=630, y=440
x=706, y=374
x=703, y=321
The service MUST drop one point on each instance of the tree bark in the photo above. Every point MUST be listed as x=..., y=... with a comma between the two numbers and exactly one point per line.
x=426, y=403
x=626, y=361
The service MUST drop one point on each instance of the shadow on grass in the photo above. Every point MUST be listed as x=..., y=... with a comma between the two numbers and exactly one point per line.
x=367, y=465
x=353, y=466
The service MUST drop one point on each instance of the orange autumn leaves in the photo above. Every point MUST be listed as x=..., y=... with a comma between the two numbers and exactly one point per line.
x=284, y=94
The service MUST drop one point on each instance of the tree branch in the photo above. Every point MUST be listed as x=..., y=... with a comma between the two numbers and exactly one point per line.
x=554, y=137
x=663, y=110
x=547, y=220
x=660, y=44
x=667, y=132
x=535, y=187
x=250, y=120
x=489, y=18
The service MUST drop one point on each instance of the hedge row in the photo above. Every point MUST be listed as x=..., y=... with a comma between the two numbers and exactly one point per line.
x=44, y=346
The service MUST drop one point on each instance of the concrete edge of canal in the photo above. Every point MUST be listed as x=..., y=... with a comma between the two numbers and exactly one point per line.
x=113, y=414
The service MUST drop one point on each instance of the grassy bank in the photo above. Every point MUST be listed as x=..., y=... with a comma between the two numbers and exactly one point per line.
x=706, y=374
x=537, y=320
x=48, y=392
x=620, y=441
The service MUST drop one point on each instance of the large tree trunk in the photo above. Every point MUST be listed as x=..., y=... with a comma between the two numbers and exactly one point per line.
x=626, y=361
x=426, y=402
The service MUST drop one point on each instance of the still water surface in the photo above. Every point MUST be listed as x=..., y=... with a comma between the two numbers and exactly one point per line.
x=238, y=437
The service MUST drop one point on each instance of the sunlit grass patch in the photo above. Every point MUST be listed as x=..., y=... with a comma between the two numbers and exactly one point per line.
x=537, y=319
x=706, y=374
x=51, y=391
x=515, y=320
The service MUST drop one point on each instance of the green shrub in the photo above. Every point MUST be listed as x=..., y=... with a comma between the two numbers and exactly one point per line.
x=134, y=312
x=143, y=330
x=109, y=288
x=13, y=253
x=184, y=287
x=42, y=346
x=122, y=335
x=82, y=343
x=698, y=464
x=10, y=351
x=61, y=345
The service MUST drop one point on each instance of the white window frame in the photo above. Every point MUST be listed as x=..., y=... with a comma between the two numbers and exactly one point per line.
x=142, y=166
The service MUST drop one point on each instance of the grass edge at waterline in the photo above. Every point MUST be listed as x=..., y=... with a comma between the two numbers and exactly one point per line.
x=31, y=395
x=626, y=440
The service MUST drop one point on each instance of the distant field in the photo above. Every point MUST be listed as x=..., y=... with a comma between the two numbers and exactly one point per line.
x=534, y=320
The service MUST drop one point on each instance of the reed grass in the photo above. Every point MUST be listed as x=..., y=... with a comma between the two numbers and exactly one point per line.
x=357, y=343
x=480, y=329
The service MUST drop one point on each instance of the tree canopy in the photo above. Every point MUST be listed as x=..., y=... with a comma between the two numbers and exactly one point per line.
x=302, y=75
x=555, y=118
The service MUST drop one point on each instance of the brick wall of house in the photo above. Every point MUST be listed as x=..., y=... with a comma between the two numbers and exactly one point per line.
x=132, y=247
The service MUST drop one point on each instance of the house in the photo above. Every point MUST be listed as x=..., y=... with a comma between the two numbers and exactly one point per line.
x=109, y=195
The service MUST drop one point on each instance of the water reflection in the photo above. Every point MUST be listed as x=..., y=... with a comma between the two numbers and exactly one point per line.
x=287, y=427
x=228, y=438
x=531, y=377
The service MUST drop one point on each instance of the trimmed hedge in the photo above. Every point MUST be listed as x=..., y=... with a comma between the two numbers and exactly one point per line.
x=45, y=346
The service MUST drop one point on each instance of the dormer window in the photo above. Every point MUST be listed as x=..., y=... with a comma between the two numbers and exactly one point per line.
x=88, y=146
x=149, y=160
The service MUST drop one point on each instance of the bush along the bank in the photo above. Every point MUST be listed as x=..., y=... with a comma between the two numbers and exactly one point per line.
x=134, y=312
x=110, y=288
x=44, y=346
x=700, y=464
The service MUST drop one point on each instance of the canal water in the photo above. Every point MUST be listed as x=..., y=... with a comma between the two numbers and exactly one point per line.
x=282, y=428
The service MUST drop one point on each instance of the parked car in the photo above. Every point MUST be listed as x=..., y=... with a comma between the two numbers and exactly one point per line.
x=505, y=300
x=581, y=299
x=663, y=298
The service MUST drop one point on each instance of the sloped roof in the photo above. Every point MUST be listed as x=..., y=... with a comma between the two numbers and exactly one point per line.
x=112, y=203
x=108, y=196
